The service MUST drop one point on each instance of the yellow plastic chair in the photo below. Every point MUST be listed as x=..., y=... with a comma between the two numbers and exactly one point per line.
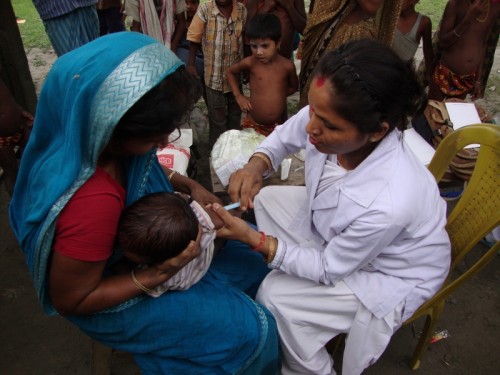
x=475, y=215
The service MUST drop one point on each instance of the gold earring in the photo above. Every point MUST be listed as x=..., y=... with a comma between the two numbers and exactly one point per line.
x=372, y=139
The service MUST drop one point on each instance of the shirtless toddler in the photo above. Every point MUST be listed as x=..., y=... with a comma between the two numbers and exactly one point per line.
x=271, y=76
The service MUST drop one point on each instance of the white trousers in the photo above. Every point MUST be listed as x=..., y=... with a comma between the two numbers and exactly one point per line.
x=309, y=315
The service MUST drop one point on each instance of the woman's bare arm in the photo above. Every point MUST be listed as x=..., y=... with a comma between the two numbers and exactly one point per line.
x=189, y=186
x=78, y=287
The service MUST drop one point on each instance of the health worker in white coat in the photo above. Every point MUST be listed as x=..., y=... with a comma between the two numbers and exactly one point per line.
x=363, y=244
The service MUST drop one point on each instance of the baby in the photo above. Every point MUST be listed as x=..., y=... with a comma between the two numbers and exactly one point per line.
x=158, y=227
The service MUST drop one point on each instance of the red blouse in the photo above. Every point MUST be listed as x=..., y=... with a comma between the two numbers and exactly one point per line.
x=86, y=229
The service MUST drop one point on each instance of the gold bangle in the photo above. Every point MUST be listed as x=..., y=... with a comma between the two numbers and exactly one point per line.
x=273, y=246
x=139, y=285
x=171, y=175
x=264, y=158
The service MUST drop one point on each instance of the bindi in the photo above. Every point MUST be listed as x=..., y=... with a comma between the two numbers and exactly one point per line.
x=320, y=81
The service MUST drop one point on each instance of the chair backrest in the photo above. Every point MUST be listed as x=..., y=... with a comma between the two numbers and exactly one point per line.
x=478, y=210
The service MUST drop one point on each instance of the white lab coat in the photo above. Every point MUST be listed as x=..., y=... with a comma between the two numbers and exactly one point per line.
x=381, y=228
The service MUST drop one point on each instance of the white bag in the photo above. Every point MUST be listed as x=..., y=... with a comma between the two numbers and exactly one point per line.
x=177, y=153
x=232, y=151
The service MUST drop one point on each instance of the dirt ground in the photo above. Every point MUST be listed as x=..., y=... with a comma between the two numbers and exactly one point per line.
x=32, y=343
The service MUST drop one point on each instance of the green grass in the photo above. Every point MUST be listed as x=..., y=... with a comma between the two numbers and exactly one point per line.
x=32, y=31
x=433, y=9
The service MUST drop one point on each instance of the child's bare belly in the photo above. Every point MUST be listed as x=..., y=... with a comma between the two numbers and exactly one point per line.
x=267, y=110
x=464, y=59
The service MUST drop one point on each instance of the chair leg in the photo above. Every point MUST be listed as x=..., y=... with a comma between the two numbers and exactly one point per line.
x=426, y=335
x=101, y=358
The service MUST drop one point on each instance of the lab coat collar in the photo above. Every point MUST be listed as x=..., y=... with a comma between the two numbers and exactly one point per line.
x=363, y=184
x=366, y=182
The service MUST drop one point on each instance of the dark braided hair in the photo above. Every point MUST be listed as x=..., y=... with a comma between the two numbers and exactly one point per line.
x=371, y=84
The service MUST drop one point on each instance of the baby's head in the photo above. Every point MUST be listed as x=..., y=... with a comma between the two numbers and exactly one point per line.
x=264, y=33
x=156, y=227
x=370, y=85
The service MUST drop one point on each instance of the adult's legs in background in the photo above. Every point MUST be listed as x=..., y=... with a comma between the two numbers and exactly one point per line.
x=73, y=30
x=223, y=113
x=234, y=112
x=110, y=20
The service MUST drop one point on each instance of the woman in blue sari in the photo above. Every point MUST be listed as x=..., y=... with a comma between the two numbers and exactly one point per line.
x=102, y=111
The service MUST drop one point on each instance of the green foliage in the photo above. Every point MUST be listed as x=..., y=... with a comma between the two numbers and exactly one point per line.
x=432, y=9
x=32, y=31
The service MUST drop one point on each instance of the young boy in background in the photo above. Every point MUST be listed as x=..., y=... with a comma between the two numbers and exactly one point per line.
x=218, y=27
x=292, y=16
x=412, y=28
x=272, y=77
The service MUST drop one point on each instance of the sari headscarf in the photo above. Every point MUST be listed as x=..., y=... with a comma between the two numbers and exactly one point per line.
x=84, y=96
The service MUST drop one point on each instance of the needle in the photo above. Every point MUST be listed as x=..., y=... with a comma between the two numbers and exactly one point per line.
x=232, y=206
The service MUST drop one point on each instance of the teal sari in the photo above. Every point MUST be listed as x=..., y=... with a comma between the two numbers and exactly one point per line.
x=212, y=328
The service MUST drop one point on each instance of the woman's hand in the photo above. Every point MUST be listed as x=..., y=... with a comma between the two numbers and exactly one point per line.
x=235, y=228
x=173, y=265
x=245, y=183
